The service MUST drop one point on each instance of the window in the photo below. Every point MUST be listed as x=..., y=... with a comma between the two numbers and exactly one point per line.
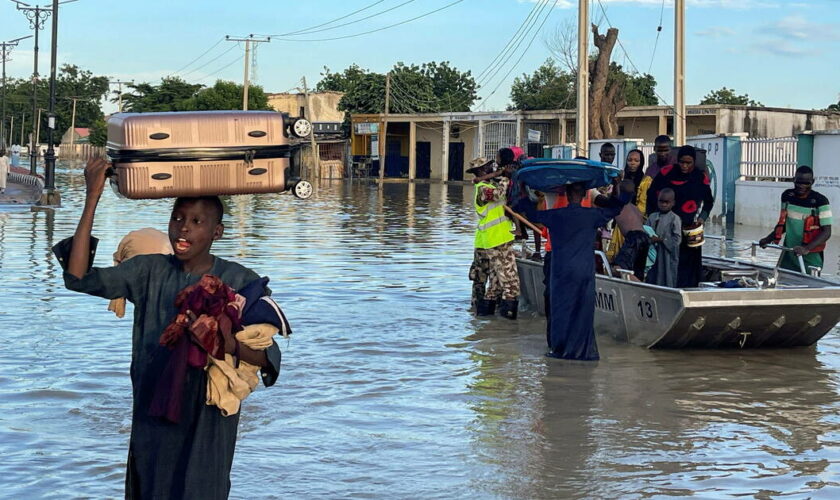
x=302, y=111
x=621, y=130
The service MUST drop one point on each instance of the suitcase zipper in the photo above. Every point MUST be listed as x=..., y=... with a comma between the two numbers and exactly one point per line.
x=248, y=154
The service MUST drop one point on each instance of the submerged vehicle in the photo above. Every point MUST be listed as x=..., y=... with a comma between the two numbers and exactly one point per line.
x=738, y=304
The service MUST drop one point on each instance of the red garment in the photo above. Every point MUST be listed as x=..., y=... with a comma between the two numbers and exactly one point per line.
x=206, y=312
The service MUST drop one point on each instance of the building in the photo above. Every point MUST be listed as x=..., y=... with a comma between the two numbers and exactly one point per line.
x=439, y=146
x=324, y=115
x=78, y=135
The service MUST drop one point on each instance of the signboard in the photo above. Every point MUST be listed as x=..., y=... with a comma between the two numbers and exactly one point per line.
x=374, y=147
x=534, y=135
x=367, y=128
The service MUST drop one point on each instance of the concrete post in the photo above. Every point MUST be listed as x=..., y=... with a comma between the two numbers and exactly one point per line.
x=561, y=139
x=412, y=150
x=444, y=162
x=663, y=124
x=480, y=138
x=518, y=141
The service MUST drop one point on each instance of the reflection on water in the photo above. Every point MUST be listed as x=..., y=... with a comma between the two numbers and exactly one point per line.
x=390, y=387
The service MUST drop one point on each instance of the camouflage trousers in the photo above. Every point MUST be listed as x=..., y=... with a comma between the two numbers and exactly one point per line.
x=498, y=266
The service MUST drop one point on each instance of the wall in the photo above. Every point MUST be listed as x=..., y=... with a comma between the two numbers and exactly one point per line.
x=827, y=168
x=432, y=132
x=773, y=123
x=646, y=127
x=757, y=203
x=324, y=105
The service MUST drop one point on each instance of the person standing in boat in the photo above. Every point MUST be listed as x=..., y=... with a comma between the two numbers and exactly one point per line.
x=693, y=203
x=667, y=228
x=572, y=278
x=634, y=170
x=804, y=220
x=661, y=156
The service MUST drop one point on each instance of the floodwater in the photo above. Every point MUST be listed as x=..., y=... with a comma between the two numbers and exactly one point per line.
x=390, y=388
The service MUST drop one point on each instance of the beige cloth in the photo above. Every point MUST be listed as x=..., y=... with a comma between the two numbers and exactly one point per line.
x=141, y=242
x=228, y=386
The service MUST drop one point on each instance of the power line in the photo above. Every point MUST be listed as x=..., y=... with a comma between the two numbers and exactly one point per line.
x=376, y=30
x=210, y=61
x=533, y=23
x=658, y=32
x=307, y=32
x=226, y=66
x=512, y=38
x=630, y=60
x=304, y=30
x=522, y=55
x=199, y=57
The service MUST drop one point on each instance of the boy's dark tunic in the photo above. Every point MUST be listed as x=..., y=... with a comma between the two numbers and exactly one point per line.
x=190, y=459
x=572, y=279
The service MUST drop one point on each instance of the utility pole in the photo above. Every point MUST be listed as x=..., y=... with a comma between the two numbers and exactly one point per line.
x=119, y=92
x=22, y=121
x=245, y=81
x=11, y=130
x=316, y=155
x=383, y=134
x=679, y=73
x=38, y=128
x=582, y=125
x=37, y=17
x=5, y=50
x=73, y=124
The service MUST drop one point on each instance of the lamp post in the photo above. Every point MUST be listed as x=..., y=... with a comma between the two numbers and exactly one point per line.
x=37, y=16
x=5, y=50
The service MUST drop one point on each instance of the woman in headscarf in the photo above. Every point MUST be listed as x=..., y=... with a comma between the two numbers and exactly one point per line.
x=693, y=203
x=634, y=170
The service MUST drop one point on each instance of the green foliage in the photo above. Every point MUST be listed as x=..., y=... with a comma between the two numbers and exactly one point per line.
x=228, y=95
x=431, y=87
x=549, y=87
x=728, y=96
x=71, y=81
x=98, y=133
x=834, y=107
x=174, y=94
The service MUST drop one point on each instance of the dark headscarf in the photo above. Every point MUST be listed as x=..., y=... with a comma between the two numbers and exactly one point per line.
x=687, y=151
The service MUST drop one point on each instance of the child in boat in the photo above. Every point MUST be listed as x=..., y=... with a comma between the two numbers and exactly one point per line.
x=630, y=222
x=193, y=456
x=572, y=278
x=668, y=228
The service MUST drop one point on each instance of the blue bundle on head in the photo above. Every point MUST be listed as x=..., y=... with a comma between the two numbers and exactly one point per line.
x=550, y=176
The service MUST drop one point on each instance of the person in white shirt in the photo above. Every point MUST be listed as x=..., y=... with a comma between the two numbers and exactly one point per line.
x=4, y=168
x=15, y=155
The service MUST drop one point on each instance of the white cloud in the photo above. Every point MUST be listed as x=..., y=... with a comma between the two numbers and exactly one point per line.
x=797, y=27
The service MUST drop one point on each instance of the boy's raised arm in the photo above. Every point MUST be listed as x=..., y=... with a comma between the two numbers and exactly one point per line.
x=94, y=185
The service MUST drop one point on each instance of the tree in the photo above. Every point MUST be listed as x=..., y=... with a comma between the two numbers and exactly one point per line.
x=172, y=94
x=431, y=87
x=611, y=88
x=728, y=96
x=71, y=82
x=549, y=87
x=98, y=133
x=228, y=95
x=834, y=107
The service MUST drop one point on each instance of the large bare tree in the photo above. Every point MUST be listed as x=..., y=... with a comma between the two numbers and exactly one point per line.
x=606, y=92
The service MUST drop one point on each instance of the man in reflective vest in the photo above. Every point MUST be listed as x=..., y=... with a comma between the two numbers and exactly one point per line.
x=494, y=259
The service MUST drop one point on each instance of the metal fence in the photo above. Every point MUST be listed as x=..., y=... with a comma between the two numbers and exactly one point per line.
x=80, y=151
x=768, y=159
x=498, y=135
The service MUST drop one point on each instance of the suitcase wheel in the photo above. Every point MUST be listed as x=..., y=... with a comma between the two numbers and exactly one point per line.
x=301, y=128
x=302, y=190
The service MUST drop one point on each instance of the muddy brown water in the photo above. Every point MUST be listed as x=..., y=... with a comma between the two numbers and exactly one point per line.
x=390, y=388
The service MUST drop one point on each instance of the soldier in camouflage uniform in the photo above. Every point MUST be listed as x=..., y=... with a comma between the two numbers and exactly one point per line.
x=494, y=258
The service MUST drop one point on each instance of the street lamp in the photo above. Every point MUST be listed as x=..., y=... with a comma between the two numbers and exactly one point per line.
x=37, y=16
x=5, y=50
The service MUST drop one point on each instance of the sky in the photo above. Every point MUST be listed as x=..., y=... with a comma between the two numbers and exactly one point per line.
x=782, y=53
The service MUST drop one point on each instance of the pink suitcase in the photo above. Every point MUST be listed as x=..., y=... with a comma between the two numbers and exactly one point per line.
x=161, y=155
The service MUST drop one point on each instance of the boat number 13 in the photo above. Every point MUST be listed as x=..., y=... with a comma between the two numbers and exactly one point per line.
x=646, y=309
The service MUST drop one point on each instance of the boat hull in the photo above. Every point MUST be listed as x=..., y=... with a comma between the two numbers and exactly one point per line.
x=798, y=314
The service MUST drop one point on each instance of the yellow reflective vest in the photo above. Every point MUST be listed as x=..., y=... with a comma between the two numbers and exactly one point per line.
x=494, y=228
